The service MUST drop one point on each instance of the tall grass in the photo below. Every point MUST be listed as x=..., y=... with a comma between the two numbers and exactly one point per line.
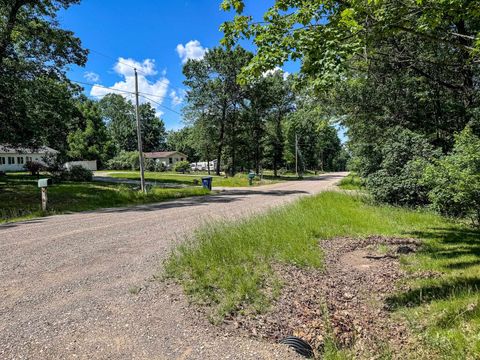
x=229, y=266
x=352, y=182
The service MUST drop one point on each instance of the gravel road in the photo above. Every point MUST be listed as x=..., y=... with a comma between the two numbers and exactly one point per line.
x=80, y=286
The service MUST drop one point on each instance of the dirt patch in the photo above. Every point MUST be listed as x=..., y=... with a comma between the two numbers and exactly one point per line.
x=345, y=302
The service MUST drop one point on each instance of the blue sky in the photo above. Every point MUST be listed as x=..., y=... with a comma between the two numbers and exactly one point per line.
x=155, y=36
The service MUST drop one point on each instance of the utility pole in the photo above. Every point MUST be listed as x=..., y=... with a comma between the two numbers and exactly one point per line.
x=296, y=154
x=139, y=136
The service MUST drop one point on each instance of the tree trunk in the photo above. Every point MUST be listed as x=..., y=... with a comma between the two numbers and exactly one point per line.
x=234, y=143
x=221, y=140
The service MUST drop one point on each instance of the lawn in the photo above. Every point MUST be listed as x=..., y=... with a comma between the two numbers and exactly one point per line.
x=20, y=196
x=229, y=266
x=239, y=180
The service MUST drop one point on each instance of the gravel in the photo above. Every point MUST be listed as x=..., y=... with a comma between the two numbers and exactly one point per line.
x=81, y=285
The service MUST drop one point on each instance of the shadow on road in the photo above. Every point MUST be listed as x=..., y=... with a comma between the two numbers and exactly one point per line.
x=226, y=196
x=223, y=197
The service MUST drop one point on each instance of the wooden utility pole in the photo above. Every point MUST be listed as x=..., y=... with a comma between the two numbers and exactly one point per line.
x=139, y=136
x=296, y=154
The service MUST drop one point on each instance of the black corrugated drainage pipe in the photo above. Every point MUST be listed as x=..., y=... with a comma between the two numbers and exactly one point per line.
x=299, y=345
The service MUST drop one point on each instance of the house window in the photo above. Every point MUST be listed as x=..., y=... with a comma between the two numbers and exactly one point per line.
x=170, y=160
x=20, y=160
x=29, y=158
x=11, y=160
x=2, y=161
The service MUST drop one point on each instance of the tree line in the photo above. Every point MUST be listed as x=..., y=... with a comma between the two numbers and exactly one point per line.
x=252, y=126
x=401, y=76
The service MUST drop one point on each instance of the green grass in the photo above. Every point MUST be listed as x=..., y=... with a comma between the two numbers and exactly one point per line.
x=20, y=196
x=229, y=266
x=351, y=182
x=238, y=180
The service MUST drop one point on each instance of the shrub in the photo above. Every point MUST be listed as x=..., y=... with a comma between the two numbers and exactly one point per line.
x=78, y=173
x=399, y=180
x=34, y=167
x=54, y=166
x=125, y=160
x=152, y=165
x=160, y=167
x=182, y=166
x=455, y=179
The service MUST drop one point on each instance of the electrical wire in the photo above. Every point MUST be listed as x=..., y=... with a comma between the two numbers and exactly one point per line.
x=163, y=106
x=131, y=93
x=123, y=63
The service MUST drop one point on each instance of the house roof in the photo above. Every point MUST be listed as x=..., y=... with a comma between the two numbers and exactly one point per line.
x=163, y=154
x=6, y=149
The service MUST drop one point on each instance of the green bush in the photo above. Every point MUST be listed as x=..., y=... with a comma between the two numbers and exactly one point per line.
x=78, y=173
x=455, y=179
x=182, y=166
x=125, y=160
x=399, y=180
x=54, y=165
x=156, y=166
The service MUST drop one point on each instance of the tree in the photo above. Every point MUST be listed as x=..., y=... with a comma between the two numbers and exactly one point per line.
x=404, y=68
x=454, y=180
x=120, y=119
x=318, y=141
x=153, y=129
x=281, y=103
x=214, y=95
x=182, y=140
x=35, y=95
x=90, y=140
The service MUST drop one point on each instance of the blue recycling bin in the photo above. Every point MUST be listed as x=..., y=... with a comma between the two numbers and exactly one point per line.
x=207, y=182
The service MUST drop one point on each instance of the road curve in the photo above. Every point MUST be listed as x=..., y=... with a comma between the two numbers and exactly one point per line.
x=69, y=283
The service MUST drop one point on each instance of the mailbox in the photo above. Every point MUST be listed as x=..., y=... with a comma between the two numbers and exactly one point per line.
x=43, y=183
x=251, y=176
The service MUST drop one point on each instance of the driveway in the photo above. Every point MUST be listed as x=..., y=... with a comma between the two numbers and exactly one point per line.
x=81, y=285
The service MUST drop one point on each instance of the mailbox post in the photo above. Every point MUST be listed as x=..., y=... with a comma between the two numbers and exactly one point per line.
x=43, y=185
x=251, y=176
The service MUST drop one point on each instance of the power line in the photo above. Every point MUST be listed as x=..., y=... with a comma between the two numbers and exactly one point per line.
x=103, y=87
x=130, y=93
x=124, y=63
x=163, y=106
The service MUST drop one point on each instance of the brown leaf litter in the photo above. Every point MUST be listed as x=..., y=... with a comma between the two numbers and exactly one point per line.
x=345, y=301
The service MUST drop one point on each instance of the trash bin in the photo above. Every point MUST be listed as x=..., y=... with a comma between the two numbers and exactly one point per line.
x=207, y=182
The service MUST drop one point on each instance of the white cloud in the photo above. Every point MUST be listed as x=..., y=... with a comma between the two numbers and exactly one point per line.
x=275, y=70
x=176, y=97
x=126, y=67
x=91, y=76
x=155, y=90
x=191, y=50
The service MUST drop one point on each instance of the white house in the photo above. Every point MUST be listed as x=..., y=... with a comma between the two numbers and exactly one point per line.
x=168, y=158
x=14, y=159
